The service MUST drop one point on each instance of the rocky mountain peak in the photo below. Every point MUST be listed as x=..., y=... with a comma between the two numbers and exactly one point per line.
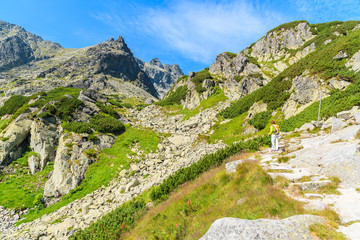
x=156, y=62
x=162, y=76
x=18, y=47
x=112, y=44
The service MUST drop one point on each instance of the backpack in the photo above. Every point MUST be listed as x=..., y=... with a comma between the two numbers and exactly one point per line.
x=277, y=129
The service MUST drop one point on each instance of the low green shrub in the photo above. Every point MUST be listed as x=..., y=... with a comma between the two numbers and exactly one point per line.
x=13, y=104
x=141, y=106
x=78, y=127
x=205, y=163
x=174, y=97
x=230, y=54
x=64, y=108
x=260, y=120
x=112, y=225
x=128, y=105
x=238, y=78
x=116, y=103
x=108, y=109
x=107, y=124
x=199, y=78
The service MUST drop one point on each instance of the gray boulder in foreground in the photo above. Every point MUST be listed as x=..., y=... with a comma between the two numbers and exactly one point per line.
x=292, y=228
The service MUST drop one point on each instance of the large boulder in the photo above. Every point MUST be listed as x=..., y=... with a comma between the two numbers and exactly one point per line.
x=12, y=142
x=337, y=124
x=45, y=135
x=295, y=227
x=71, y=162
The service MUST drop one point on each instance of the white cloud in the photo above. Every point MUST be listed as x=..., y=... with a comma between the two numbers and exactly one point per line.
x=197, y=30
x=203, y=29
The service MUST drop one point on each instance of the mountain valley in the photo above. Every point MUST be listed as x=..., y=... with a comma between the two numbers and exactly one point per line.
x=98, y=144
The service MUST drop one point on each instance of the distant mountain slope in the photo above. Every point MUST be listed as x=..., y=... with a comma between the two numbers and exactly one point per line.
x=29, y=64
x=18, y=46
x=162, y=76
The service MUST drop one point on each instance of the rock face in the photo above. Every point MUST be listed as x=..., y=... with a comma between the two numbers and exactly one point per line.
x=71, y=163
x=331, y=156
x=354, y=62
x=272, y=46
x=11, y=145
x=295, y=227
x=45, y=134
x=18, y=46
x=113, y=58
x=162, y=76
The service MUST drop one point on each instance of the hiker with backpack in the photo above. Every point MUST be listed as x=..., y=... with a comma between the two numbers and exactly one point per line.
x=274, y=132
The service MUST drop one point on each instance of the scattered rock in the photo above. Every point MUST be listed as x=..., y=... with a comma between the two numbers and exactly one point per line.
x=307, y=127
x=340, y=55
x=231, y=166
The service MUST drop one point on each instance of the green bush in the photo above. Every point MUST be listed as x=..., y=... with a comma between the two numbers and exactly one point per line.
x=116, y=103
x=13, y=104
x=230, y=54
x=238, y=78
x=78, y=127
x=54, y=95
x=199, y=78
x=107, y=124
x=174, y=97
x=107, y=109
x=260, y=120
x=112, y=225
x=128, y=105
x=141, y=106
x=205, y=163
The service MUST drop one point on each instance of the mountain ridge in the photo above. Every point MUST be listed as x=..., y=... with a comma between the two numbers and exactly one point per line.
x=43, y=65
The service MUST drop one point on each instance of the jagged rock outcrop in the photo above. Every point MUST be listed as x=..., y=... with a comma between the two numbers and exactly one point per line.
x=243, y=77
x=18, y=47
x=73, y=157
x=307, y=89
x=273, y=46
x=162, y=76
x=295, y=227
x=13, y=142
x=14, y=52
x=44, y=137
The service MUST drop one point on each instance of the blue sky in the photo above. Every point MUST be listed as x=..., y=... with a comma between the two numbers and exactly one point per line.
x=190, y=33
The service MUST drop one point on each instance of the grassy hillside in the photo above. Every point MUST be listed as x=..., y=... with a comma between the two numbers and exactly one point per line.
x=320, y=63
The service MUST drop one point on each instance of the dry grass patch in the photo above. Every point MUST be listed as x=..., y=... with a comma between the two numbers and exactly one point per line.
x=189, y=212
x=327, y=231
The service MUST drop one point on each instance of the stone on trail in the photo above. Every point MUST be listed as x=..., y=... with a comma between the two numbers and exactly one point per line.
x=347, y=205
x=307, y=127
x=295, y=227
x=352, y=231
